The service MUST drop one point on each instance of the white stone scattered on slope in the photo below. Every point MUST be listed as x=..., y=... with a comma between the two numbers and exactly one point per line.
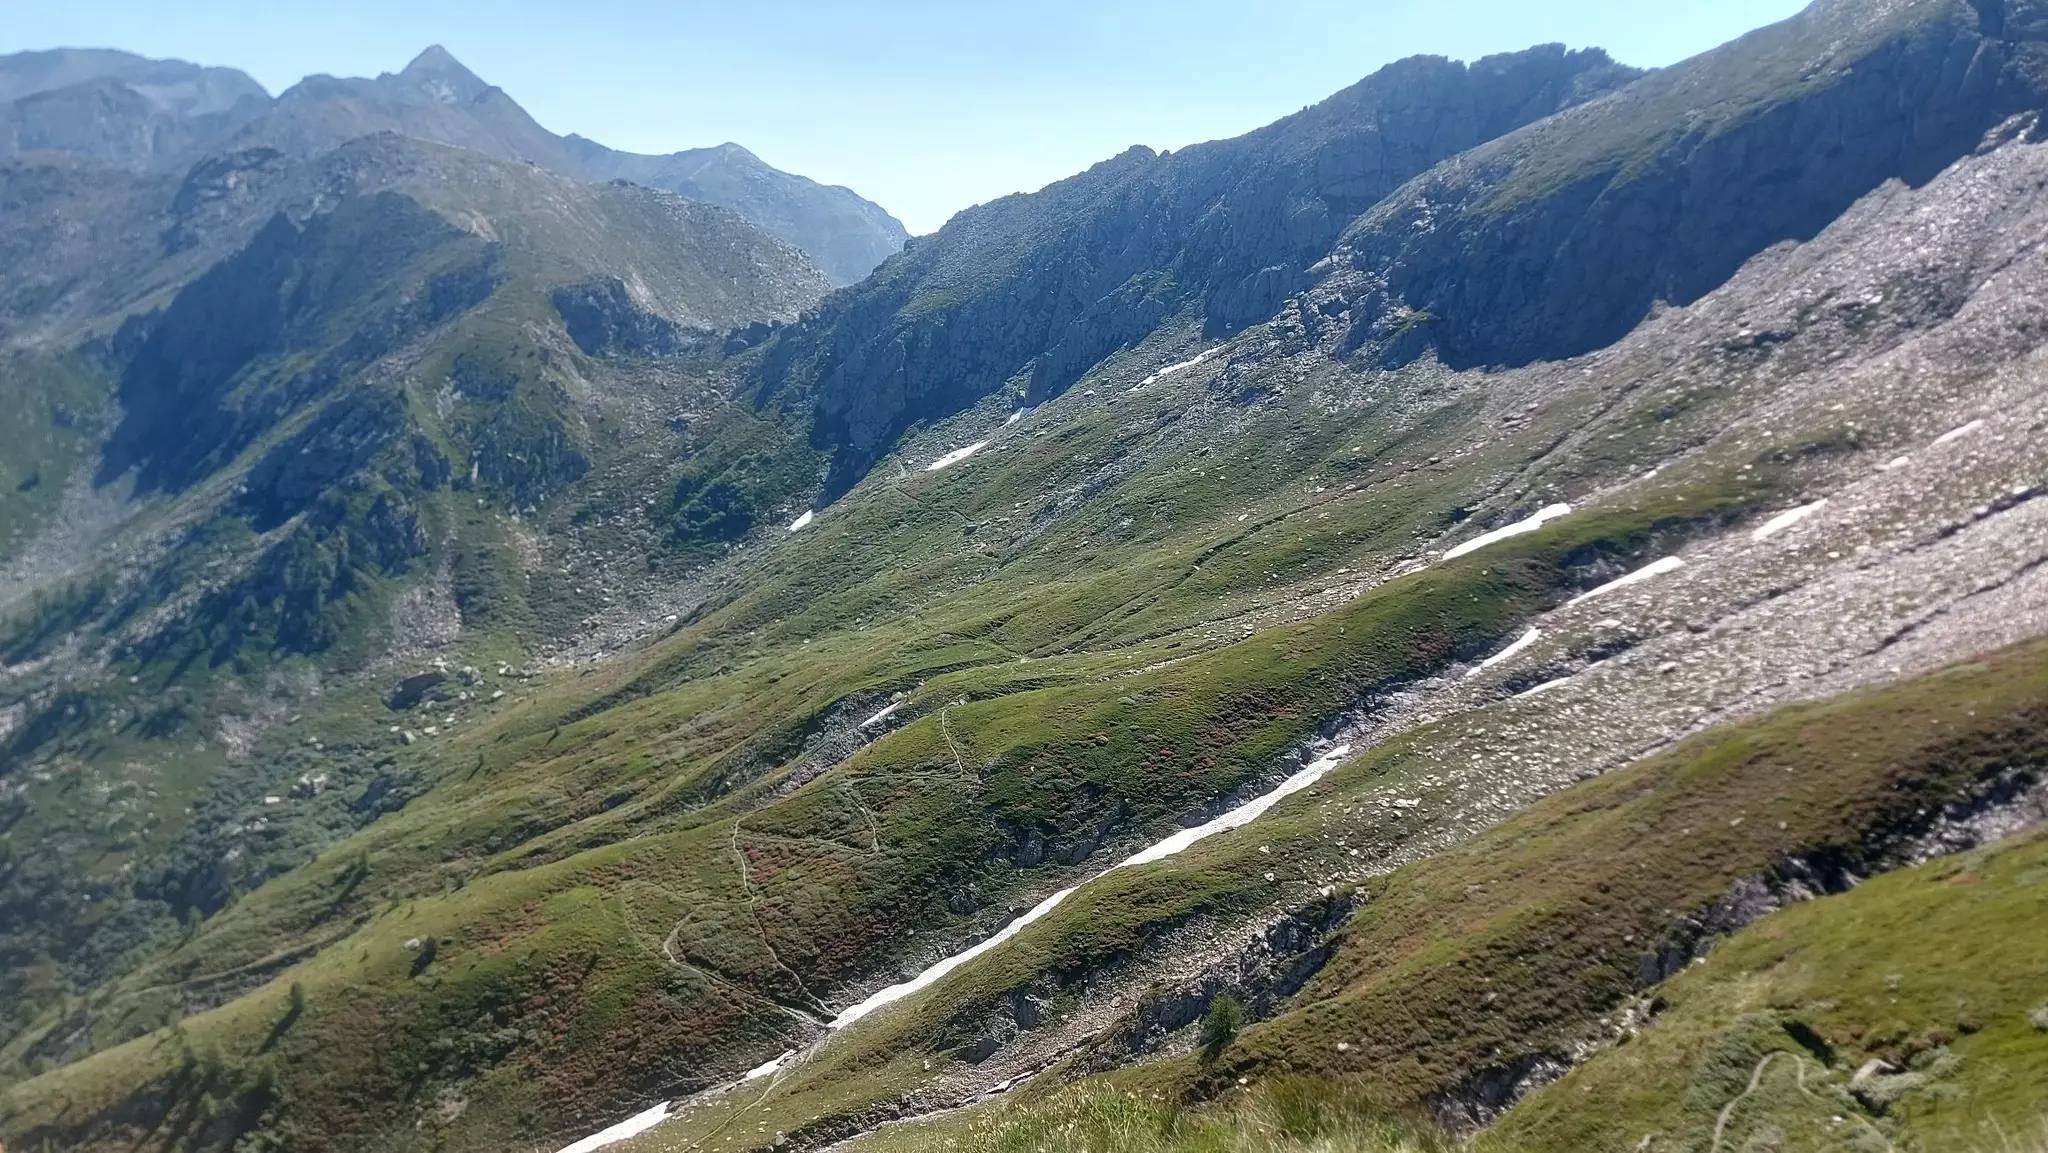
x=630, y=1127
x=1785, y=520
x=1528, y=638
x=1957, y=433
x=1551, y=512
x=797, y=524
x=886, y=712
x=1659, y=568
x=956, y=456
x=1242, y=815
x=1895, y=462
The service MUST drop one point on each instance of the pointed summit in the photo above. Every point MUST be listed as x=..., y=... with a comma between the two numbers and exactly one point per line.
x=443, y=76
x=434, y=58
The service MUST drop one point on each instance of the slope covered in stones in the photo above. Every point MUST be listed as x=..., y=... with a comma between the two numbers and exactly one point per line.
x=1558, y=239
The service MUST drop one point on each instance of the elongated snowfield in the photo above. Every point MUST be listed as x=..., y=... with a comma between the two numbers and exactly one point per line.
x=1547, y=513
x=956, y=456
x=886, y=712
x=1236, y=818
x=1648, y=571
x=1240, y=816
x=798, y=524
x=1785, y=520
x=1170, y=369
x=897, y=992
x=1508, y=653
x=632, y=1126
x=1957, y=433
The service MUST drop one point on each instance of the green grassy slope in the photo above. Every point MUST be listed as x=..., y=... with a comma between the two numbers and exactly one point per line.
x=57, y=404
x=659, y=750
x=1036, y=716
x=1542, y=936
x=336, y=433
x=1301, y=1115
x=1936, y=973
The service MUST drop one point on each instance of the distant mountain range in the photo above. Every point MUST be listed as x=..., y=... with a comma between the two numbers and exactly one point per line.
x=133, y=112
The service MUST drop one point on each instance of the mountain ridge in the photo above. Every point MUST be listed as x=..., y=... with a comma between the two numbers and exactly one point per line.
x=1167, y=231
x=104, y=112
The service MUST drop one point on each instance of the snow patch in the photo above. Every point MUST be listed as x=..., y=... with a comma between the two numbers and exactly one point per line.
x=1528, y=638
x=1659, y=568
x=763, y=1070
x=1785, y=520
x=1957, y=433
x=630, y=1127
x=1545, y=687
x=904, y=989
x=798, y=524
x=1551, y=512
x=1170, y=369
x=887, y=711
x=1242, y=815
x=956, y=456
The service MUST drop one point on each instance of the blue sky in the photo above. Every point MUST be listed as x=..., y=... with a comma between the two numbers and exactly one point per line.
x=924, y=106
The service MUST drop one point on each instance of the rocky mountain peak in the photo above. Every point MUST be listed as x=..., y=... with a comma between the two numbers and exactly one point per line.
x=443, y=78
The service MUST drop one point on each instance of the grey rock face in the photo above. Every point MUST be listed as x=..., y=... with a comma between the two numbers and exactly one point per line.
x=1044, y=286
x=602, y=318
x=1557, y=239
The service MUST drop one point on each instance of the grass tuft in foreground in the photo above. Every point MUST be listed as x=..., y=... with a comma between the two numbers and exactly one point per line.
x=1285, y=1116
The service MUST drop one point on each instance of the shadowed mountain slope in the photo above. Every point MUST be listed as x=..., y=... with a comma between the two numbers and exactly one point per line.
x=1031, y=291
x=1557, y=239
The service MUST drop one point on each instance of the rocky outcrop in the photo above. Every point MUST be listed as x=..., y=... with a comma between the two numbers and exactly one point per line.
x=1559, y=238
x=1031, y=291
x=602, y=318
